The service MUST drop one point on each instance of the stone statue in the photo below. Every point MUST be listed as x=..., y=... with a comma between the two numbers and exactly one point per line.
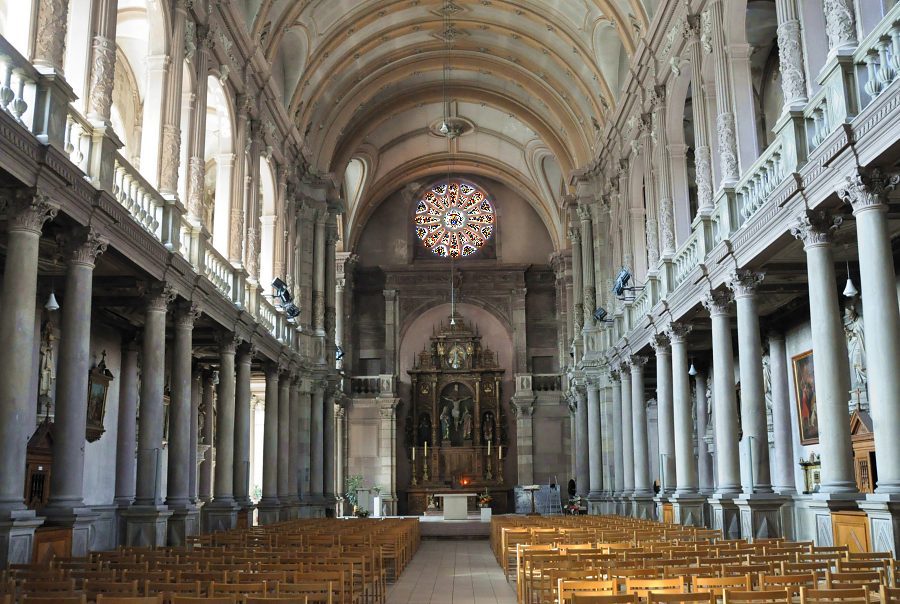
x=445, y=423
x=709, y=405
x=48, y=372
x=467, y=425
x=856, y=346
x=487, y=427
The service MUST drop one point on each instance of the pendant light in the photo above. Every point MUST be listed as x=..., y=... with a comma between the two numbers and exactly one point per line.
x=693, y=370
x=850, y=290
x=51, y=305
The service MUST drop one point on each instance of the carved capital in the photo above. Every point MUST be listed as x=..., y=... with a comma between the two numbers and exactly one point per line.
x=228, y=342
x=678, y=332
x=660, y=343
x=27, y=209
x=575, y=236
x=868, y=190
x=815, y=227
x=717, y=302
x=186, y=315
x=637, y=361
x=745, y=282
x=160, y=296
x=83, y=245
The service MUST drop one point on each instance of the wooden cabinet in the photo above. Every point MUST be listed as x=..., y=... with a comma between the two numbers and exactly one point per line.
x=863, y=441
x=851, y=529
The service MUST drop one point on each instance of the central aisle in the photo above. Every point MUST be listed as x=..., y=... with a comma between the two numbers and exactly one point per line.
x=445, y=572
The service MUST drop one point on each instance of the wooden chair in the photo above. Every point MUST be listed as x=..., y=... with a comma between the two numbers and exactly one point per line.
x=580, y=598
x=773, y=596
x=717, y=585
x=103, y=599
x=566, y=587
x=275, y=600
x=35, y=587
x=237, y=589
x=202, y=600
x=792, y=583
x=642, y=587
x=872, y=580
x=67, y=599
x=112, y=588
x=683, y=598
x=858, y=595
x=889, y=595
x=314, y=592
x=167, y=590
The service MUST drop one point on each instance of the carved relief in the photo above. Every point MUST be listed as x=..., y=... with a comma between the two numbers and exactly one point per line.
x=190, y=39
x=102, y=76
x=50, y=44
x=652, y=241
x=667, y=224
x=197, y=187
x=727, y=146
x=171, y=152
x=790, y=59
x=253, y=251
x=840, y=23
x=704, y=177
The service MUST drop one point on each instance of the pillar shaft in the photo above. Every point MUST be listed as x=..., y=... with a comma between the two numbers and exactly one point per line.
x=223, y=489
x=582, y=453
x=594, y=440
x=319, y=283
x=196, y=391
x=304, y=428
x=704, y=459
x=178, y=478
x=781, y=416
x=270, y=440
x=627, y=434
x=294, y=442
x=642, y=482
x=317, y=427
x=284, y=435
x=208, y=408
x=242, y=426
x=328, y=452
x=685, y=463
x=125, y=433
x=665, y=415
x=618, y=447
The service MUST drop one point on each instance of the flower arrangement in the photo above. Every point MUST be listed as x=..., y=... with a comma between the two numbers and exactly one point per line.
x=485, y=499
x=576, y=505
x=362, y=513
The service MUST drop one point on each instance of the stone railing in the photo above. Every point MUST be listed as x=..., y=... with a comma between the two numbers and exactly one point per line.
x=79, y=139
x=365, y=385
x=136, y=195
x=267, y=316
x=18, y=79
x=879, y=52
x=546, y=382
x=766, y=173
x=641, y=306
x=218, y=270
x=687, y=258
x=818, y=119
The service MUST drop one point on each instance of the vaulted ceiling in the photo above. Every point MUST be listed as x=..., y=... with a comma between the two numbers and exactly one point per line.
x=530, y=84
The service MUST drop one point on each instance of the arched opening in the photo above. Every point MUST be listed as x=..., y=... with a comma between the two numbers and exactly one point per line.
x=269, y=239
x=16, y=22
x=762, y=25
x=219, y=157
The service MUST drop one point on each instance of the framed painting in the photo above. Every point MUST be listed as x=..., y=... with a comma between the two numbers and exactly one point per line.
x=805, y=394
x=98, y=389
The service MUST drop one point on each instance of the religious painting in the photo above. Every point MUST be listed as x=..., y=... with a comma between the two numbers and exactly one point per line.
x=456, y=419
x=805, y=392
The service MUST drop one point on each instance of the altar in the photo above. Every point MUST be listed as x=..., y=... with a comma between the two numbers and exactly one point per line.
x=456, y=505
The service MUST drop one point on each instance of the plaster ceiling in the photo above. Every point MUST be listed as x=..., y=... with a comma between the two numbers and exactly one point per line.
x=531, y=81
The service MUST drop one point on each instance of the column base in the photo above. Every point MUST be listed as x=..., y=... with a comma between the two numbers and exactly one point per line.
x=623, y=504
x=269, y=511
x=219, y=515
x=17, y=536
x=290, y=509
x=183, y=523
x=595, y=500
x=145, y=525
x=725, y=515
x=660, y=501
x=687, y=509
x=79, y=520
x=883, y=512
x=822, y=505
x=642, y=506
x=760, y=515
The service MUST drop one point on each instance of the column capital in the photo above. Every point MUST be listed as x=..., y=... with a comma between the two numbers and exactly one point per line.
x=815, y=227
x=865, y=190
x=744, y=282
x=660, y=343
x=186, y=314
x=228, y=342
x=159, y=296
x=717, y=302
x=637, y=361
x=247, y=351
x=575, y=236
x=27, y=209
x=82, y=245
x=678, y=332
x=584, y=212
x=390, y=295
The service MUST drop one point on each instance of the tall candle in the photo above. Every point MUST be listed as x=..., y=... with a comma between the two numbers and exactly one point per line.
x=414, y=453
x=489, y=448
x=426, y=448
x=500, y=451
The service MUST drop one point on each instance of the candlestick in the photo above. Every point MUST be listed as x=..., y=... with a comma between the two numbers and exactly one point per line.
x=414, y=453
x=489, y=447
x=500, y=451
x=426, y=448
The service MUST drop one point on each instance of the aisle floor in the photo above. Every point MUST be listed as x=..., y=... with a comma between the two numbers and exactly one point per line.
x=452, y=572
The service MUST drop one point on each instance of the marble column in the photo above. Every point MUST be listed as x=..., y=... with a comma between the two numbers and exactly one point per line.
x=790, y=55
x=577, y=288
x=627, y=440
x=725, y=516
x=242, y=426
x=147, y=519
x=196, y=393
x=832, y=367
x=221, y=513
x=582, y=454
x=294, y=449
x=284, y=444
x=594, y=441
x=700, y=121
x=704, y=459
x=665, y=417
x=316, y=445
x=207, y=405
x=328, y=451
x=687, y=504
x=340, y=462
x=868, y=195
x=184, y=520
x=305, y=420
x=270, y=505
x=840, y=25
x=642, y=497
x=618, y=449
x=319, y=283
x=127, y=423
x=783, y=482
x=66, y=505
x=725, y=126
x=756, y=478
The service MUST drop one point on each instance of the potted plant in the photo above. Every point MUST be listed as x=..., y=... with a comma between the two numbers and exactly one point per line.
x=361, y=513
x=376, y=501
x=353, y=482
x=576, y=506
x=484, y=502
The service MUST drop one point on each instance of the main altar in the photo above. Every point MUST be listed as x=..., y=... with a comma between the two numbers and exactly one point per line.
x=456, y=435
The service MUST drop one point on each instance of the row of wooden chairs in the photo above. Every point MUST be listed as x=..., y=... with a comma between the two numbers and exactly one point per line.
x=886, y=595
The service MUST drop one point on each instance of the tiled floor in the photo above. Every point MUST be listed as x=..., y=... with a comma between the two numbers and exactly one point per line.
x=457, y=572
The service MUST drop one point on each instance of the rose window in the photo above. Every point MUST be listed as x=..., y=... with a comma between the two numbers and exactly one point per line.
x=456, y=220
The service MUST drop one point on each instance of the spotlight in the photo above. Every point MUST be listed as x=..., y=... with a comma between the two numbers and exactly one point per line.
x=287, y=300
x=600, y=315
x=338, y=353
x=622, y=282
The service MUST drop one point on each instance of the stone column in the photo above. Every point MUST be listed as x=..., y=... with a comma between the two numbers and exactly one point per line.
x=284, y=443
x=316, y=452
x=643, y=489
x=328, y=451
x=663, y=175
x=222, y=512
x=50, y=40
x=781, y=417
x=66, y=505
x=269, y=505
x=687, y=503
x=618, y=450
x=184, y=520
x=390, y=331
x=340, y=462
x=790, y=55
x=196, y=169
x=523, y=408
x=665, y=417
x=319, y=283
x=587, y=265
x=704, y=459
x=387, y=447
x=196, y=393
x=832, y=367
x=243, y=109
x=305, y=419
x=725, y=517
x=147, y=519
x=294, y=449
x=582, y=453
x=339, y=320
x=126, y=431
x=210, y=380
x=725, y=126
x=627, y=440
x=700, y=122
x=242, y=427
x=840, y=25
x=594, y=441
x=577, y=287
x=756, y=478
x=867, y=193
